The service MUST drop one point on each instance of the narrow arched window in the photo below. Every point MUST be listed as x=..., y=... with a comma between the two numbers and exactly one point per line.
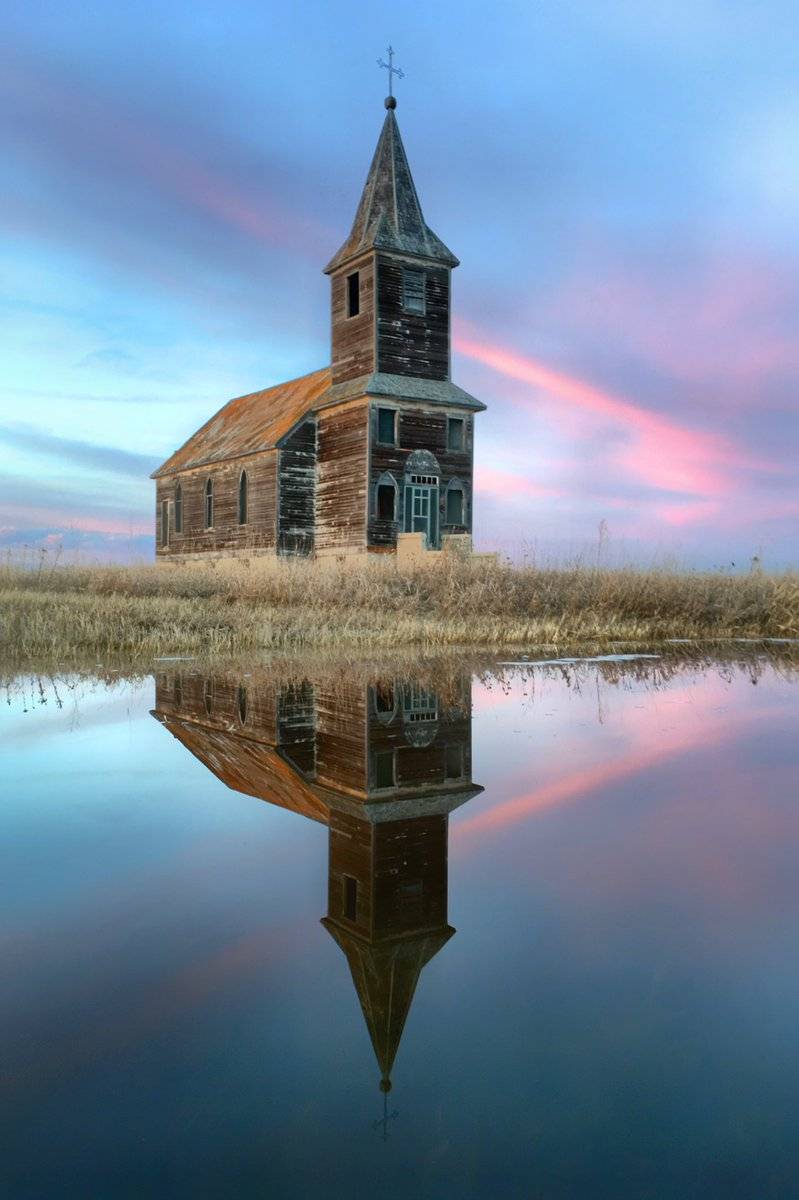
x=455, y=505
x=209, y=503
x=386, y=498
x=241, y=704
x=178, y=509
x=243, y=497
x=208, y=696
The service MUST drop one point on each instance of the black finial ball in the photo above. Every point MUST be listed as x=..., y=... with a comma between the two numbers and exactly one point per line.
x=385, y=1085
x=391, y=101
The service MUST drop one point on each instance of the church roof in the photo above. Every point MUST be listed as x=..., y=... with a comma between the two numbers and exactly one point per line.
x=247, y=765
x=250, y=423
x=389, y=216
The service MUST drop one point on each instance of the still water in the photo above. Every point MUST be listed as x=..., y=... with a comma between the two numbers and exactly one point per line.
x=530, y=932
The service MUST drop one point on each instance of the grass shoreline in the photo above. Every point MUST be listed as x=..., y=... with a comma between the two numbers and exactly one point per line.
x=142, y=612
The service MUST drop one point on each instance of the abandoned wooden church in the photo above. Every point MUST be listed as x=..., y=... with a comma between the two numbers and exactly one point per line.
x=374, y=452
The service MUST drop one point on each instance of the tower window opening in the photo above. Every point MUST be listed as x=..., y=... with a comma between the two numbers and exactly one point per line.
x=387, y=426
x=350, y=898
x=454, y=433
x=413, y=289
x=353, y=294
x=385, y=774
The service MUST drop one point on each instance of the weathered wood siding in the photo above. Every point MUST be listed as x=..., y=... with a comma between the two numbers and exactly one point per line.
x=342, y=479
x=341, y=732
x=411, y=343
x=213, y=701
x=418, y=429
x=409, y=873
x=421, y=766
x=226, y=534
x=353, y=338
x=350, y=854
x=296, y=490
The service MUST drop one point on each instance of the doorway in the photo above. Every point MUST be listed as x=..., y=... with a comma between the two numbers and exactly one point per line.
x=421, y=508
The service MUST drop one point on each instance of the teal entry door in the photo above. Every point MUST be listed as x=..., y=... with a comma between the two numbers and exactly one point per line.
x=421, y=511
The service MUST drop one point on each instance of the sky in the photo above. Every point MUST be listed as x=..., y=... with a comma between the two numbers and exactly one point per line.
x=619, y=179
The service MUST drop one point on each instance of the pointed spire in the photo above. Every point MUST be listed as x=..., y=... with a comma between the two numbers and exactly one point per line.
x=385, y=978
x=389, y=216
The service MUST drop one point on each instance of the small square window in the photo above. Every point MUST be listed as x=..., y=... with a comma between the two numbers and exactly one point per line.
x=384, y=769
x=387, y=426
x=455, y=433
x=413, y=291
x=353, y=294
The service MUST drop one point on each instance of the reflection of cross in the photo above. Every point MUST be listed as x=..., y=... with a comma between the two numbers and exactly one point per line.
x=392, y=70
x=386, y=1117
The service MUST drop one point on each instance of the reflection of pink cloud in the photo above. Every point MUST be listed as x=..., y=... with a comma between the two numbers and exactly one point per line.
x=169, y=999
x=649, y=744
x=655, y=450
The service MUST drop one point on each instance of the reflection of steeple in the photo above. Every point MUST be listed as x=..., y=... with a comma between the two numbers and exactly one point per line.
x=383, y=767
x=385, y=978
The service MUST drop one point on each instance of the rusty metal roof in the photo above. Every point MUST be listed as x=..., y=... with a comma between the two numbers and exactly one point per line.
x=248, y=765
x=250, y=423
x=389, y=216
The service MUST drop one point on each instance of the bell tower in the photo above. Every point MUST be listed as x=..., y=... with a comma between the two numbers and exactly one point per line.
x=390, y=281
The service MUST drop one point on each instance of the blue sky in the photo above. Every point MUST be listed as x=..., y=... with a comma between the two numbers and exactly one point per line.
x=620, y=181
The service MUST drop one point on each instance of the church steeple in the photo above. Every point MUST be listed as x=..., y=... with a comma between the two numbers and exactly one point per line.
x=390, y=281
x=389, y=215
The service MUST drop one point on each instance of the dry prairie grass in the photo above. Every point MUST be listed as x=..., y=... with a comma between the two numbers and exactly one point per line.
x=138, y=612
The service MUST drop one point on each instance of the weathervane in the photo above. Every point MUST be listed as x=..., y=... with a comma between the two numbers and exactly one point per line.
x=382, y=1122
x=392, y=71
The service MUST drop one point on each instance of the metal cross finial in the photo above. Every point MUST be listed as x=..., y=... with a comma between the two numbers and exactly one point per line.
x=392, y=70
x=387, y=1116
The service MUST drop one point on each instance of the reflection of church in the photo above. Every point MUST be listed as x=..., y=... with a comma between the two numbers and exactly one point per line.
x=382, y=766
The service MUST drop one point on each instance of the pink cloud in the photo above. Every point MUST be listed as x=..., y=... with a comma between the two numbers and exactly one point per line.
x=60, y=521
x=494, y=481
x=654, y=449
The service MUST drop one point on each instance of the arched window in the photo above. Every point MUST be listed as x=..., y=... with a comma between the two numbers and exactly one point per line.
x=209, y=503
x=243, y=497
x=386, y=498
x=241, y=703
x=208, y=696
x=178, y=509
x=385, y=702
x=456, y=508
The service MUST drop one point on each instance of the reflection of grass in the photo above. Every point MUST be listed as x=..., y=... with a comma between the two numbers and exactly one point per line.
x=68, y=612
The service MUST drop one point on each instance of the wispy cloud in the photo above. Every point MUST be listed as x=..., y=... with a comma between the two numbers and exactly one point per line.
x=650, y=447
x=86, y=454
